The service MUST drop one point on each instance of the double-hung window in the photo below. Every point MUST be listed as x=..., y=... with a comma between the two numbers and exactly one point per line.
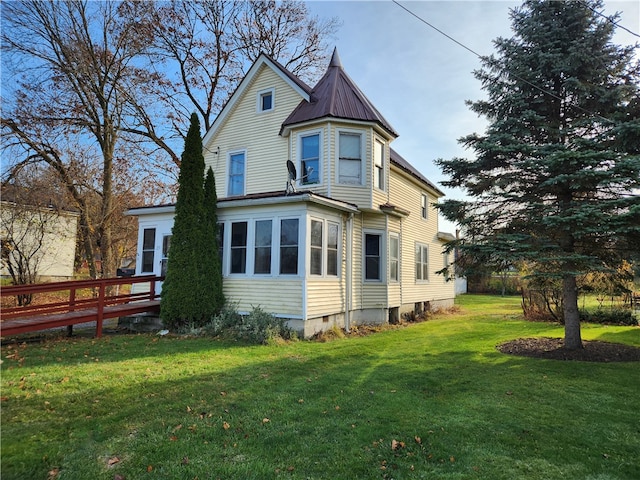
x=422, y=262
x=332, y=248
x=378, y=165
x=310, y=159
x=148, y=249
x=372, y=256
x=424, y=212
x=394, y=257
x=236, y=174
x=262, y=257
x=239, y=247
x=316, y=247
x=350, y=158
x=289, y=246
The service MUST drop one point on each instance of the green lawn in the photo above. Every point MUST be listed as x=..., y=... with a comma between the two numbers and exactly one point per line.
x=434, y=400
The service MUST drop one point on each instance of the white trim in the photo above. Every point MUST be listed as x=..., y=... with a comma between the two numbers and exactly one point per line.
x=259, y=96
x=244, y=84
x=243, y=151
x=415, y=262
x=363, y=158
x=395, y=235
x=309, y=133
x=383, y=256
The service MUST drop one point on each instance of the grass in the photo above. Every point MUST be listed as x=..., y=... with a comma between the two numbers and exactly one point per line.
x=434, y=400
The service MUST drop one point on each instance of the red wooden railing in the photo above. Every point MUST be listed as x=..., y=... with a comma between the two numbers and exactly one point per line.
x=101, y=304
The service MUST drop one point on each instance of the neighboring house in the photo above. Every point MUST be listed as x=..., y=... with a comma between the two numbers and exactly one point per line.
x=38, y=241
x=354, y=239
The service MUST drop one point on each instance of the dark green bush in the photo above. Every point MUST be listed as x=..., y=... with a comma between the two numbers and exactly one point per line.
x=613, y=316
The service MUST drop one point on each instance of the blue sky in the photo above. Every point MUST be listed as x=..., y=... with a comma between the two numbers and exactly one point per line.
x=418, y=78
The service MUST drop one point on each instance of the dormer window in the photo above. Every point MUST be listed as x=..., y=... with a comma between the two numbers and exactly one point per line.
x=265, y=100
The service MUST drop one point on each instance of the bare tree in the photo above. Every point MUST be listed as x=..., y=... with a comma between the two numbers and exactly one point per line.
x=102, y=91
x=76, y=80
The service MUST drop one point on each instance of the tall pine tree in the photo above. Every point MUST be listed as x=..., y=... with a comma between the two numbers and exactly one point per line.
x=556, y=175
x=190, y=290
x=213, y=234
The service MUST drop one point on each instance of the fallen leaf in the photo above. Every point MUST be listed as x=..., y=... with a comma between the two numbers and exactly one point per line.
x=112, y=461
x=225, y=425
x=53, y=474
x=149, y=468
x=176, y=428
x=117, y=476
x=265, y=420
x=452, y=459
x=418, y=440
x=185, y=460
x=173, y=438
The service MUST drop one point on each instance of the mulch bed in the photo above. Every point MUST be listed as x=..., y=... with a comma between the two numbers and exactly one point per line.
x=553, y=349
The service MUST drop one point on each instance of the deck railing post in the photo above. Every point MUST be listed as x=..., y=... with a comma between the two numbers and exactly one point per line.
x=72, y=307
x=152, y=290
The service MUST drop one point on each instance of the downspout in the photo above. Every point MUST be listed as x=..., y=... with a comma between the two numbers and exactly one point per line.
x=348, y=274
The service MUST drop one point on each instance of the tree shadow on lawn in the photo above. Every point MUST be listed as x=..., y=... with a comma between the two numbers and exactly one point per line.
x=341, y=409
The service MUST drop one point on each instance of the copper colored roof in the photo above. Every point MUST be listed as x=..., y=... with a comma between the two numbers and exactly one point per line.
x=337, y=96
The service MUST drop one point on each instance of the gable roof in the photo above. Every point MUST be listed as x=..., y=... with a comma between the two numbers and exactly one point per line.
x=294, y=82
x=337, y=96
x=401, y=163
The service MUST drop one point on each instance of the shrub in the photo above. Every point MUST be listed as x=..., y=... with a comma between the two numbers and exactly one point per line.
x=256, y=327
x=613, y=316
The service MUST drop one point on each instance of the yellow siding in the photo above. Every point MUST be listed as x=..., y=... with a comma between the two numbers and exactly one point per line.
x=257, y=133
x=282, y=297
x=407, y=194
x=325, y=297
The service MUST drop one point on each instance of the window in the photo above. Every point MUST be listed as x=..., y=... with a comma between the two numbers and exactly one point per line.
x=236, y=174
x=316, y=247
x=372, y=264
x=220, y=235
x=332, y=248
x=262, y=261
x=394, y=257
x=265, y=100
x=422, y=262
x=350, y=159
x=378, y=165
x=424, y=206
x=166, y=243
x=239, y=247
x=289, y=246
x=310, y=159
x=148, y=249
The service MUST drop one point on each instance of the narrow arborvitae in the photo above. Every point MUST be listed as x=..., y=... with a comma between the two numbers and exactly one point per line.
x=214, y=235
x=189, y=291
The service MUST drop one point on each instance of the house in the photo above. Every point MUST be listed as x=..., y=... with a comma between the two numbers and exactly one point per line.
x=38, y=242
x=344, y=233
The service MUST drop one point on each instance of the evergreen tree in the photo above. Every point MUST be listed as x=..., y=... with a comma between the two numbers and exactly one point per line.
x=214, y=262
x=188, y=292
x=556, y=175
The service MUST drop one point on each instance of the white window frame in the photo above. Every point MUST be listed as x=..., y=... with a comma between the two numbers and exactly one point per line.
x=423, y=250
x=363, y=160
x=379, y=176
x=424, y=206
x=301, y=172
x=382, y=256
x=244, y=172
x=321, y=247
x=261, y=94
x=149, y=250
x=324, y=259
x=396, y=259
x=298, y=245
x=255, y=246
